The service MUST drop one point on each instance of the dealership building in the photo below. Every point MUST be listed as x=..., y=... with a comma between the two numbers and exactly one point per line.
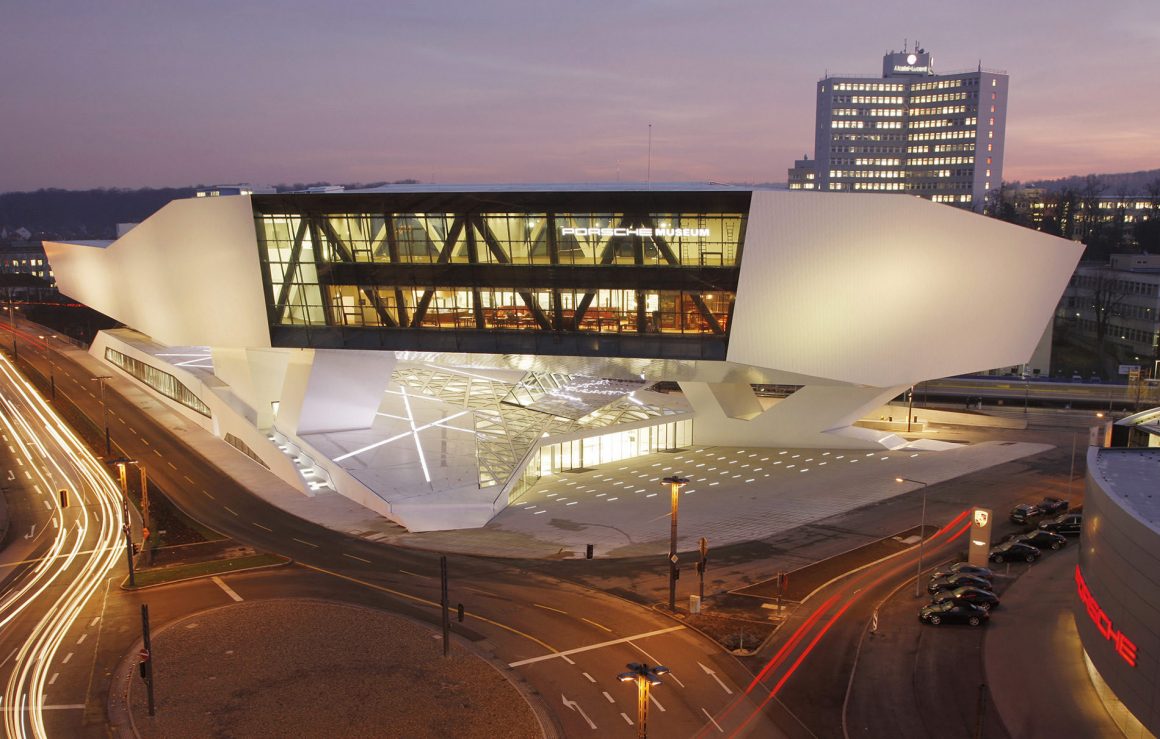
x=431, y=352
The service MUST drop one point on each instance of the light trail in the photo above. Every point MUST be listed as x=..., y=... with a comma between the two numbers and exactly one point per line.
x=84, y=548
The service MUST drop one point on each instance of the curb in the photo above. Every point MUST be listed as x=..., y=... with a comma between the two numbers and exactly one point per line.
x=139, y=588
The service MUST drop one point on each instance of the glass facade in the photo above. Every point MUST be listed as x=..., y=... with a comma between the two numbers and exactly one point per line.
x=162, y=382
x=646, y=269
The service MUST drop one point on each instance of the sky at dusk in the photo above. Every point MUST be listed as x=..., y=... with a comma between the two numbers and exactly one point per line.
x=162, y=93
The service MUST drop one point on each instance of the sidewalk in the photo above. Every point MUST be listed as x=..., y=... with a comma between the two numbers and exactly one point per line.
x=1034, y=661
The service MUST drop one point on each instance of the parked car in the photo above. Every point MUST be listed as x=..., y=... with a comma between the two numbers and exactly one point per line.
x=968, y=569
x=1049, y=506
x=952, y=612
x=984, y=599
x=1013, y=550
x=1042, y=539
x=957, y=580
x=1067, y=524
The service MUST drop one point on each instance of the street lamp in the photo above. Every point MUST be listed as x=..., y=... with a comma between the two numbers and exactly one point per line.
x=921, y=533
x=645, y=677
x=105, y=411
x=675, y=483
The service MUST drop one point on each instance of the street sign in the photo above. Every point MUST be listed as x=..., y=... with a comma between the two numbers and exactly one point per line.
x=674, y=559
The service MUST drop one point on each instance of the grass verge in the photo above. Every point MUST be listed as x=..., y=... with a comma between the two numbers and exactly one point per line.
x=175, y=573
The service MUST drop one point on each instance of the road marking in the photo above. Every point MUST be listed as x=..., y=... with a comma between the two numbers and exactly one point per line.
x=11, y=475
x=133, y=429
x=307, y=543
x=264, y=528
x=231, y=510
x=146, y=441
x=360, y=559
x=14, y=652
x=188, y=479
x=67, y=657
x=46, y=505
x=656, y=703
x=585, y=674
x=481, y=591
x=609, y=697
x=229, y=591
x=157, y=453
x=11, y=448
x=172, y=465
x=206, y=494
x=713, y=675
x=713, y=720
x=408, y=572
x=52, y=679
x=96, y=620
x=590, y=647
x=549, y=608
x=82, y=639
x=672, y=676
x=432, y=604
x=60, y=707
x=20, y=461
x=576, y=707
x=599, y=626
x=624, y=716
x=28, y=474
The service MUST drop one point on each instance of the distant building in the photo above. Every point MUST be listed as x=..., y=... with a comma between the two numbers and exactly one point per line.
x=223, y=190
x=1125, y=294
x=804, y=175
x=938, y=136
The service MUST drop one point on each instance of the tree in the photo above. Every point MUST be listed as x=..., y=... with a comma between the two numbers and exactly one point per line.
x=1104, y=292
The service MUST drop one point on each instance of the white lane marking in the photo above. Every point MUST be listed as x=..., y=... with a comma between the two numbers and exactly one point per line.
x=146, y=441
x=96, y=620
x=599, y=626
x=156, y=452
x=672, y=676
x=133, y=429
x=307, y=543
x=549, y=608
x=52, y=679
x=206, y=494
x=412, y=574
x=11, y=448
x=360, y=559
x=14, y=652
x=172, y=465
x=713, y=720
x=585, y=674
x=67, y=657
x=229, y=591
x=576, y=707
x=82, y=639
x=656, y=703
x=713, y=675
x=624, y=716
x=188, y=479
x=264, y=528
x=566, y=659
x=20, y=461
x=28, y=474
x=609, y=697
x=590, y=647
x=46, y=505
x=482, y=591
x=231, y=510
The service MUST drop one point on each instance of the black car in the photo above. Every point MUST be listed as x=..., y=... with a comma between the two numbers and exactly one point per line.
x=1013, y=550
x=984, y=599
x=1042, y=539
x=1067, y=524
x=1052, y=506
x=1024, y=512
x=952, y=612
x=968, y=569
x=958, y=580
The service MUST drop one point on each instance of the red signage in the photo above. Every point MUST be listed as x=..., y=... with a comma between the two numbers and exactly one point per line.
x=1124, y=646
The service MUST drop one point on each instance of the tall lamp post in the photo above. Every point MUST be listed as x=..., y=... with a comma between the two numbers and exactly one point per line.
x=105, y=412
x=921, y=534
x=645, y=677
x=675, y=483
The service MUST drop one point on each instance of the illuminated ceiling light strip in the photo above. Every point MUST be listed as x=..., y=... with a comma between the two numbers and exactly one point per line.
x=415, y=432
x=396, y=437
x=465, y=374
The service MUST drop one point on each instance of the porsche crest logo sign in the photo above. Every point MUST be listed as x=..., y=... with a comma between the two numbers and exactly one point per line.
x=982, y=517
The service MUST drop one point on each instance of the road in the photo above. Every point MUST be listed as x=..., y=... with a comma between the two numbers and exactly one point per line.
x=52, y=571
x=569, y=642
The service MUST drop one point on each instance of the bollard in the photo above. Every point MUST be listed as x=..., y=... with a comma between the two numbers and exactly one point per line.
x=588, y=554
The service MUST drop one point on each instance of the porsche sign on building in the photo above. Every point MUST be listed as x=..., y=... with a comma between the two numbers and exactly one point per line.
x=429, y=352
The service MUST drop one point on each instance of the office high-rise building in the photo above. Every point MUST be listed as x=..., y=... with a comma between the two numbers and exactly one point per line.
x=938, y=136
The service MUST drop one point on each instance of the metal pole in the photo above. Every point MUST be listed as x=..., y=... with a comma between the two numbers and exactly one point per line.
x=149, y=659
x=125, y=526
x=444, y=603
x=910, y=408
x=1071, y=473
x=673, y=547
x=642, y=685
x=921, y=541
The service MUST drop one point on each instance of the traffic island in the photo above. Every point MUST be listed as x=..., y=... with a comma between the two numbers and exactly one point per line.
x=283, y=668
x=205, y=559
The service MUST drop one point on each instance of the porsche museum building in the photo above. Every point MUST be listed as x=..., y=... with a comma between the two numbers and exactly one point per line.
x=430, y=352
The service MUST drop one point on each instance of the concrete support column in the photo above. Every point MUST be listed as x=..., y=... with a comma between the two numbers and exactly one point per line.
x=814, y=416
x=333, y=390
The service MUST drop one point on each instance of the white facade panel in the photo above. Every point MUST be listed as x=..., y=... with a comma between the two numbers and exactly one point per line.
x=189, y=275
x=886, y=291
